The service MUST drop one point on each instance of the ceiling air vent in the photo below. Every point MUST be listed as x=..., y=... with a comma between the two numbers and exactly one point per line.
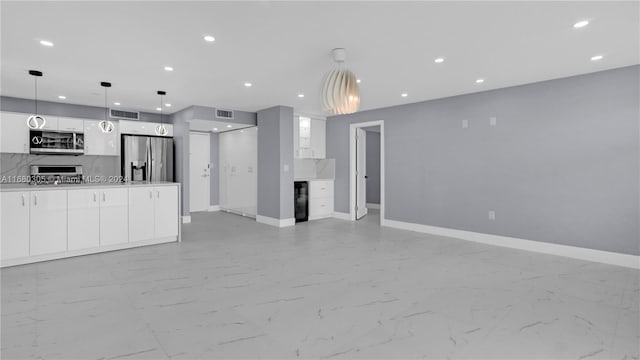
x=224, y=114
x=121, y=114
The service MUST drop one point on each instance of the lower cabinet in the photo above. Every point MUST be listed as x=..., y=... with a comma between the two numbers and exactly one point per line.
x=48, y=222
x=320, y=199
x=83, y=219
x=153, y=212
x=114, y=218
x=14, y=232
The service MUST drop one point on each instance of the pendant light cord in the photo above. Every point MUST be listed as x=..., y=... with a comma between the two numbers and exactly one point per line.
x=106, y=111
x=36, y=91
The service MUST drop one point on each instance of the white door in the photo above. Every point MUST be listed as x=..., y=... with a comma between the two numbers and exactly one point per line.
x=83, y=219
x=48, y=225
x=199, y=171
x=361, y=172
x=114, y=218
x=166, y=204
x=14, y=232
x=14, y=133
x=141, y=213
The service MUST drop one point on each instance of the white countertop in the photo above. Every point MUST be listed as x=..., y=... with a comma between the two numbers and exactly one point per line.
x=28, y=187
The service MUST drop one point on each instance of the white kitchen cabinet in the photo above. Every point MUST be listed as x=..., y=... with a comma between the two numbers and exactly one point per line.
x=309, y=138
x=144, y=128
x=48, y=222
x=141, y=213
x=51, y=122
x=98, y=143
x=114, y=218
x=70, y=124
x=14, y=133
x=153, y=212
x=14, y=232
x=166, y=216
x=320, y=199
x=83, y=219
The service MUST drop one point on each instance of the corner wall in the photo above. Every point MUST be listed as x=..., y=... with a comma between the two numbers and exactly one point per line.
x=561, y=166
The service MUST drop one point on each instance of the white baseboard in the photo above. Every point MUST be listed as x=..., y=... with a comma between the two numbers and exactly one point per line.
x=275, y=222
x=605, y=257
x=373, y=206
x=214, y=208
x=341, y=215
x=186, y=219
x=80, y=252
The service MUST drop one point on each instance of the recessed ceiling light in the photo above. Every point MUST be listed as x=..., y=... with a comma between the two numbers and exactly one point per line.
x=62, y=97
x=167, y=105
x=229, y=126
x=209, y=38
x=168, y=68
x=46, y=43
x=300, y=95
x=159, y=109
x=248, y=84
x=479, y=81
x=215, y=129
x=358, y=81
x=116, y=103
x=438, y=60
x=581, y=24
x=597, y=57
x=404, y=94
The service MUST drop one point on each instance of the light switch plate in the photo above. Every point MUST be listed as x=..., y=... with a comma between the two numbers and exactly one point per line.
x=465, y=124
x=493, y=121
x=286, y=168
x=492, y=215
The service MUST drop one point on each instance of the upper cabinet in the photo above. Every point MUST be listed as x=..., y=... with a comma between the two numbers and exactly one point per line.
x=70, y=124
x=309, y=138
x=98, y=143
x=14, y=133
x=145, y=128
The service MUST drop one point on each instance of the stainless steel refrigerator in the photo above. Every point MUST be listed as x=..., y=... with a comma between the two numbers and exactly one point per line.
x=147, y=158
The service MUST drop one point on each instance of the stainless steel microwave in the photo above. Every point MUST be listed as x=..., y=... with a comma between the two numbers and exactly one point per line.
x=56, y=142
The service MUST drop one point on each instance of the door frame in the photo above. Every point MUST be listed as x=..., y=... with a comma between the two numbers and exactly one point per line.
x=352, y=168
x=200, y=133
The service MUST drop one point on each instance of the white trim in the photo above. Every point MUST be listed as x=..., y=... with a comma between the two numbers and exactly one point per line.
x=341, y=215
x=214, y=207
x=275, y=222
x=605, y=257
x=373, y=206
x=186, y=219
x=80, y=252
x=352, y=167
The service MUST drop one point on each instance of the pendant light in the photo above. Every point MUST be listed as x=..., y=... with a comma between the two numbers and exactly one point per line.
x=161, y=129
x=340, y=90
x=105, y=125
x=36, y=121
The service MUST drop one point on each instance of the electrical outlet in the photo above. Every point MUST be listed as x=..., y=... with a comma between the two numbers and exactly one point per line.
x=493, y=121
x=492, y=215
x=465, y=124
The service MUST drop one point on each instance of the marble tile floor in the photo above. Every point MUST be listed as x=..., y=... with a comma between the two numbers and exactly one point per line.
x=324, y=289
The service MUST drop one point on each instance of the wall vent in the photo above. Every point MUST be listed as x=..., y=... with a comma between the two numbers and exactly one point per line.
x=122, y=114
x=224, y=114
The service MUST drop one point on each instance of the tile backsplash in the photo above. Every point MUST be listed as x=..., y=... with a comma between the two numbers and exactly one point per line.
x=18, y=164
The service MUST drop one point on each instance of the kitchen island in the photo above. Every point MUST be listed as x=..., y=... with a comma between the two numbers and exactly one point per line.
x=46, y=222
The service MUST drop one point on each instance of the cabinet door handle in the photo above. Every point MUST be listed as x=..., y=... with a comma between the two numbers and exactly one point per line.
x=104, y=197
x=94, y=197
x=150, y=194
x=158, y=192
x=35, y=199
x=22, y=199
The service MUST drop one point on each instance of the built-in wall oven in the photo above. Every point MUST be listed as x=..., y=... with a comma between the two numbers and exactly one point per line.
x=56, y=142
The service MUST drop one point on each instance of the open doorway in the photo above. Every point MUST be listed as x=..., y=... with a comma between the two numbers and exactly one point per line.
x=367, y=170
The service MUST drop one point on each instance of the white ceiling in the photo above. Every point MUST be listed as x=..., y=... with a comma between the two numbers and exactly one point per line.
x=283, y=48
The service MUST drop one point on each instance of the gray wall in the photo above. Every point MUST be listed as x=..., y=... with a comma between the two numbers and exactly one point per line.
x=373, y=167
x=275, y=151
x=562, y=165
x=180, y=122
x=70, y=110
